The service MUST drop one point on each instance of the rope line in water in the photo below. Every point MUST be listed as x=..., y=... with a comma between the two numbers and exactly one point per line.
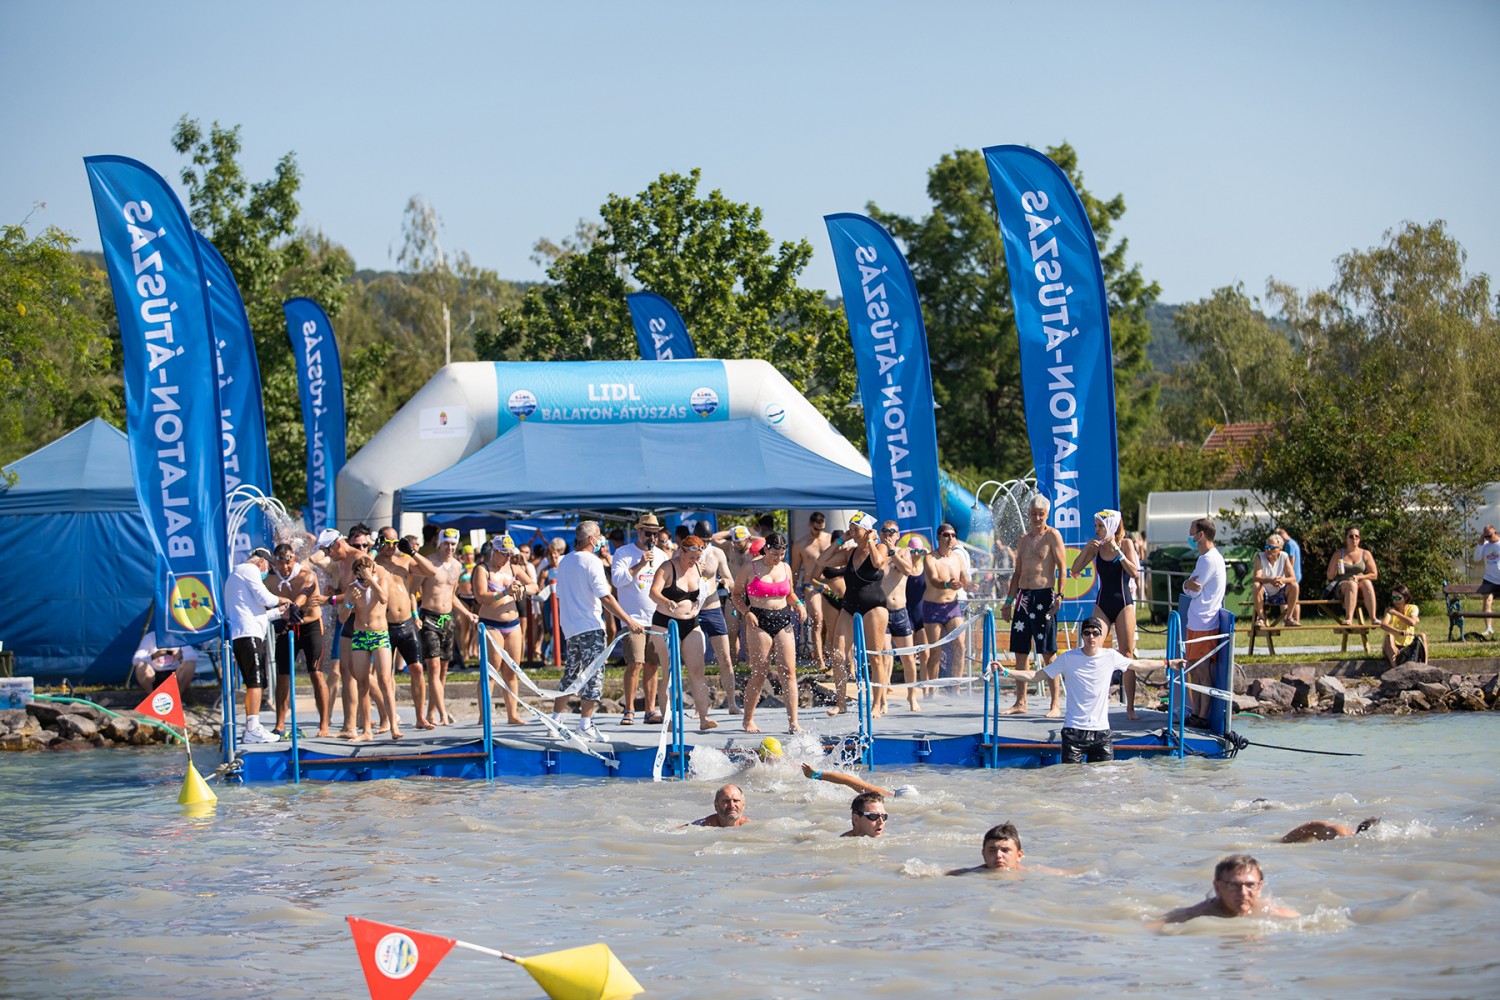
x=1326, y=753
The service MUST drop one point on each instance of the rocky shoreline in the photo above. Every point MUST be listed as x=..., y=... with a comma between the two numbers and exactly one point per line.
x=1335, y=687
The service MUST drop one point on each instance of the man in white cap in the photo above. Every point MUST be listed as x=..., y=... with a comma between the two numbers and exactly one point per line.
x=631, y=571
x=250, y=608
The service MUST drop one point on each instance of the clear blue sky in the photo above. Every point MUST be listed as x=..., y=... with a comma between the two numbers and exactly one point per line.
x=1249, y=139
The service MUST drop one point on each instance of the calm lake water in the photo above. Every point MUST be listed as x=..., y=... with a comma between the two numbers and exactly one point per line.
x=110, y=889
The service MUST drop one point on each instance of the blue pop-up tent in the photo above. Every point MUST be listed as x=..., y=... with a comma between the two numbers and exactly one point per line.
x=80, y=563
x=723, y=465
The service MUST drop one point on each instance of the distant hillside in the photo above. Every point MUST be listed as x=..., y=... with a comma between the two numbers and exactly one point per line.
x=1166, y=348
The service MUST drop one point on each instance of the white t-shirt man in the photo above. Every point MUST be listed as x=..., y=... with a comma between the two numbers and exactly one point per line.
x=632, y=572
x=250, y=605
x=1087, y=678
x=580, y=583
x=1489, y=554
x=1203, y=612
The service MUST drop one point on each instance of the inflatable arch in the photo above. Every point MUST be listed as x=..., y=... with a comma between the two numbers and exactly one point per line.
x=468, y=405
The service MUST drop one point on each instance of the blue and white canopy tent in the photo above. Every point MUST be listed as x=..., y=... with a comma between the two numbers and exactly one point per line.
x=81, y=562
x=598, y=436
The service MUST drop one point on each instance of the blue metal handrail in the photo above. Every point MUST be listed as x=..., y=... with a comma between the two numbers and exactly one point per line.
x=291, y=695
x=863, y=699
x=486, y=709
x=674, y=658
x=991, y=691
x=227, y=683
x=1176, y=686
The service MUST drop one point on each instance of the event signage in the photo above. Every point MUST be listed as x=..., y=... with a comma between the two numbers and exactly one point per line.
x=659, y=328
x=247, y=460
x=1067, y=363
x=172, y=412
x=320, y=383
x=608, y=392
x=895, y=377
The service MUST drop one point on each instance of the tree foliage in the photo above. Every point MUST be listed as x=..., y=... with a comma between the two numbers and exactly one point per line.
x=1383, y=421
x=736, y=289
x=958, y=260
x=58, y=362
x=254, y=226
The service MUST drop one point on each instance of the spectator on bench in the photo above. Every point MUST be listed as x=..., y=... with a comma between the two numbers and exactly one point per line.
x=1275, y=584
x=1351, y=577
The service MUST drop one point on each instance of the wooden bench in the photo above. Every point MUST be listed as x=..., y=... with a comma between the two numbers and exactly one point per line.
x=1453, y=599
x=1273, y=628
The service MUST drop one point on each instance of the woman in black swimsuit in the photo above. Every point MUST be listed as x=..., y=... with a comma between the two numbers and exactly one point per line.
x=1115, y=567
x=864, y=595
x=675, y=589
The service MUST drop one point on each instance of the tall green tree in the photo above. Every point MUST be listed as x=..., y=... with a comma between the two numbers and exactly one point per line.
x=254, y=226
x=711, y=257
x=1243, y=368
x=58, y=362
x=958, y=260
x=1385, y=423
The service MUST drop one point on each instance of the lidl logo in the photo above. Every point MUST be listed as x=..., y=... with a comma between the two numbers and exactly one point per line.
x=191, y=603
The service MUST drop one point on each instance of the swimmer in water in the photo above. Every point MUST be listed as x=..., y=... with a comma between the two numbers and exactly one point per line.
x=847, y=780
x=1322, y=830
x=867, y=815
x=1001, y=851
x=1238, y=882
x=729, y=809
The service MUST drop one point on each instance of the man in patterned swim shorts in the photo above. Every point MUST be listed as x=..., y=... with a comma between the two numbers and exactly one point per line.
x=1032, y=600
x=582, y=594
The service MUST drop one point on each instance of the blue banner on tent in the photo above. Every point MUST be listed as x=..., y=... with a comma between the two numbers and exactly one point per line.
x=607, y=392
x=1067, y=364
x=659, y=329
x=247, y=460
x=895, y=377
x=171, y=393
x=320, y=383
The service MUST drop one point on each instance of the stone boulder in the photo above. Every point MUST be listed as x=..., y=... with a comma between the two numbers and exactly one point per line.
x=141, y=736
x=1466, y=698
x=1273, y=695
x=79, y=727
x=1408, y=677
x=1329, y=686
x=15, y=741
x=1412, y=700
x=1349, y=703
x=44, y=738
x=119, y=729
x=1435, y=692
x=12, y=720
x=45, y=712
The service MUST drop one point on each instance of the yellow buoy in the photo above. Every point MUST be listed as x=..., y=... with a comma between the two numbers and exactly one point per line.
x=588, y=973
x=194, y=789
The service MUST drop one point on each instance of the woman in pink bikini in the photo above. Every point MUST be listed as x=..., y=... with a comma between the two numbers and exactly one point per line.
x=763, y=595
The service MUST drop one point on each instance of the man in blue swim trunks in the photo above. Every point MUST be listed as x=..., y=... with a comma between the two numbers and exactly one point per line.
x=1032, y=599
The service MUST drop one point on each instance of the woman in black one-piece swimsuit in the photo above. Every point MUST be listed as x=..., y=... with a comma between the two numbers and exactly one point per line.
x=1115, y=567
x=864, y=595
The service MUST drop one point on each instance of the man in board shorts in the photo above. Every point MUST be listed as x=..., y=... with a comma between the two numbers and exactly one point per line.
x=1032, y=599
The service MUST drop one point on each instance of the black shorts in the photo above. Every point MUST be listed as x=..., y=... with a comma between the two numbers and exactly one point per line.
x=309, y=643
x=1092, y=745
x=437, y=636
x=1486, y=588
x=900, y=622
x=404, y=641
x=1033, y=626
x=250, y=657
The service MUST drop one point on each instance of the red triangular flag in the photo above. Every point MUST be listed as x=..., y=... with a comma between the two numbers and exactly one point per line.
x=396, y=960
x=165, y=703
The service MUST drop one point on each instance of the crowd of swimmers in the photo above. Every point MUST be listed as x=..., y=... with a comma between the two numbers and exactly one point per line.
x=1237, y=889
